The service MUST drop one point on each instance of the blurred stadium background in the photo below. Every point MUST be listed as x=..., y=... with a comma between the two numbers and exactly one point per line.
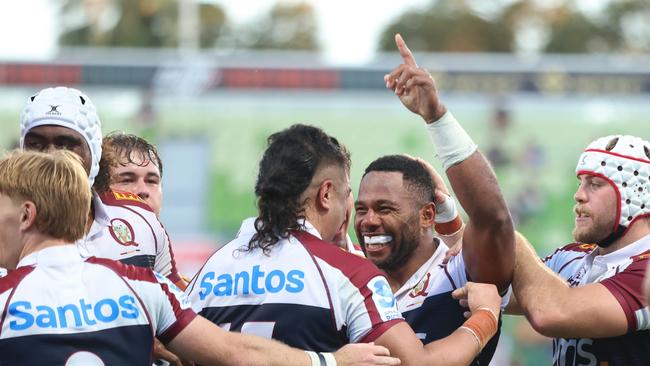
x=532, y=81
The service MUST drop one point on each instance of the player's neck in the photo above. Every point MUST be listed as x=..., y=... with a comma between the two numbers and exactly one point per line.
x=637, y=231
x=398, y=277
x=35, y=242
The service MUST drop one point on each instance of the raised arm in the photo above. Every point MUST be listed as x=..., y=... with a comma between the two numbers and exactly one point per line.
x=488, y=238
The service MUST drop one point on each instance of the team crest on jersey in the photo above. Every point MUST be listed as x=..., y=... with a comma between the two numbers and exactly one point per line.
x=421, y=288
x=122, y=232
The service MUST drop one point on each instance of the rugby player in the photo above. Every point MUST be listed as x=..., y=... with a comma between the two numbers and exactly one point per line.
x=283, y=278
x=130, y=163
x=589, y=295
x=62, y=309
x=395, y=216
x=121, y=226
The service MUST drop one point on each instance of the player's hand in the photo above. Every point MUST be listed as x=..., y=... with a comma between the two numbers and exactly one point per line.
x=364, y=354
x=478, y=295
x=160, y=352
x=414, y=86
x=441, y=191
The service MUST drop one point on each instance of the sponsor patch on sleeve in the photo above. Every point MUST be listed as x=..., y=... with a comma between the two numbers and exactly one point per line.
x=127, y=196
x=383, y=298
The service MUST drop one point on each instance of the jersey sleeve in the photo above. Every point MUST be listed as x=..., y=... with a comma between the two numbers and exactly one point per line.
x=562, y=257
x=627, y=288
x=371, y=311
x=170, y=309
x=165, y=263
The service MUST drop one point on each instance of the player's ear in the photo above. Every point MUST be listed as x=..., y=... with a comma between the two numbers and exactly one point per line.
x=325, y=192
x=427, y=215
x=28, y=213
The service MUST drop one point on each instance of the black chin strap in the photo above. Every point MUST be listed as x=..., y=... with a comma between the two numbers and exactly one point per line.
x=614, y=236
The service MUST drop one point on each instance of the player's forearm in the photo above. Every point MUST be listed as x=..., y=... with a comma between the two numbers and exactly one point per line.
x=205, y=343
x=540, y=293
x=488, y=243
x=260, y=351
x=485, y=206
x=459, y=348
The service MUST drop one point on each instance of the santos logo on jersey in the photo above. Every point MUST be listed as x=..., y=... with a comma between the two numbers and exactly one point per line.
x=255, y=281
x=24, y=315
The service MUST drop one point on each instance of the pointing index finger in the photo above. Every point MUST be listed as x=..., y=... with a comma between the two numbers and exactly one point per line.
x=404, y=51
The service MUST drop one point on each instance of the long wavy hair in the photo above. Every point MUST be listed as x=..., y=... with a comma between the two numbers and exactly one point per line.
x=291, y=159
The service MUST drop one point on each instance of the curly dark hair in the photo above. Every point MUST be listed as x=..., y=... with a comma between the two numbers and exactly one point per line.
x=117, y=149
x=416, y=177
x=291, y=159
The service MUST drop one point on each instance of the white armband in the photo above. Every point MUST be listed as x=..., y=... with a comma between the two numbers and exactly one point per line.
x=450, y=141
x=321, y=358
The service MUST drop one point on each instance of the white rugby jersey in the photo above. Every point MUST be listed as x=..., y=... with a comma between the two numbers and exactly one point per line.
x=61, y=309
x=306, y=292
x=127, y=230
x=426, y=303
x=622, y=273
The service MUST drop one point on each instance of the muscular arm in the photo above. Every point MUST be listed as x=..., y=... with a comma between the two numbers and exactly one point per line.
x=488, y=239
x=556, y=310
x=205, y=343
x=459, y=348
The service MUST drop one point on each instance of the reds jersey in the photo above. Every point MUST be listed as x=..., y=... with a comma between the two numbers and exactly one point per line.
x=127, y=230
x=622, y=273
x=63, y=310
x=426, y=303
x=306, y=292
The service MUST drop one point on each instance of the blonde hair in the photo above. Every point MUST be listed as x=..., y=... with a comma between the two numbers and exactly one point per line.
x=56, y=183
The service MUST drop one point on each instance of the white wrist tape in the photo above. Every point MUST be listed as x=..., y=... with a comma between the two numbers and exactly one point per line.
x=321, y=358
x=450, y=141
x=329, y=358
x=313, y=356
x=446, y=211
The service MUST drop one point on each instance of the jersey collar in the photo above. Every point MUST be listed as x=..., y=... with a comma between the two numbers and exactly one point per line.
x=56, y=255
x=418, y=276
x=624, y=253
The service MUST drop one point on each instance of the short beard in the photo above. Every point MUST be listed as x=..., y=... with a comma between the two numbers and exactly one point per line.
x=594, y=235
x=410, y=239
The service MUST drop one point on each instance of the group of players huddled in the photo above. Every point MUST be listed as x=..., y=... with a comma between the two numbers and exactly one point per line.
x=91, y=277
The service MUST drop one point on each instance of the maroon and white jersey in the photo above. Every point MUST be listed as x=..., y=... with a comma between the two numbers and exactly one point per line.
x=61, y=309
x=426, y=303
x=127, y=230
x=305, y=292
x=622, y=273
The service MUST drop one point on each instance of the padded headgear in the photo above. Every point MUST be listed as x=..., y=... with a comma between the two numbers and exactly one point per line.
x=624, y=161
x=66, y=107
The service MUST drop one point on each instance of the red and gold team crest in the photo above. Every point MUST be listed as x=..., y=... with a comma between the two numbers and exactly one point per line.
x=122, y=232
x=421, y=287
